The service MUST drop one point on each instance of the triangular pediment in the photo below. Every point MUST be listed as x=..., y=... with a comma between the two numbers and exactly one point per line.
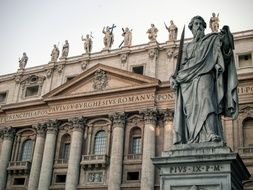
x=101, y=79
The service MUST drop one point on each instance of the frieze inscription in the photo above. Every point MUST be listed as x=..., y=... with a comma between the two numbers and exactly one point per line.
x=92, y=104
x=245, y=90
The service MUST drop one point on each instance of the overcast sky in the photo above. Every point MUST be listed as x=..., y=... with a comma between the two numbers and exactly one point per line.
x=33, y=26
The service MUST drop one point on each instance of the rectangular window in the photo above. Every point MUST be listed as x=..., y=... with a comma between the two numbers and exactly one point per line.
x=31, y=91
x=138, y=70
x=245, y=60
x=60, y=178
x=133, y=176
x=3, y=96
x=19, y=181
x=136, y=145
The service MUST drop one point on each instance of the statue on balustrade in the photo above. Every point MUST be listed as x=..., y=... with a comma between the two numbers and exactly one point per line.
x=206, y=82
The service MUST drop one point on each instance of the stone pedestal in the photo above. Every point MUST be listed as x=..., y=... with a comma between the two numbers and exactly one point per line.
x=203, y=166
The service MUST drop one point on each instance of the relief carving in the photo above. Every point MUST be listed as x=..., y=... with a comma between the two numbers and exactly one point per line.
x=95, y=177
x=84, y=64
x=124, y=57
x=40, y=129
x=78, y=123
x=168, y=115
x=153, y=53
x=100, y=80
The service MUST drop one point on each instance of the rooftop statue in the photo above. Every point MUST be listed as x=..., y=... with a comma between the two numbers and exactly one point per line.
x=172, y=29
x=87, y=43
x=152, y=33
x=127, y=34
x=214, y=22
x=206, y=85
x=23, y=61
x=108, y=38
x=65, y=50
x=55, y=54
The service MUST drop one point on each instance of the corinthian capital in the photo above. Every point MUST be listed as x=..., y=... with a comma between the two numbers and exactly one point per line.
x=168, y=115
x=78, y=123
x=150, y=115
x=119, y=119
x=52, y=126
x=40, y=129
x=8, y=132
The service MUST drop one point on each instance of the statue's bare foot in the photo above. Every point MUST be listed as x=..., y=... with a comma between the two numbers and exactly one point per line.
x=215, y=138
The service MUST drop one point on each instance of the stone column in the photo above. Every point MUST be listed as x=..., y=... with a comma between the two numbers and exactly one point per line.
x=148, y=169
x=37, y=157
x=8, y=135
x=116, y=160
x=168, y=129
x=75, y=153
x=48, y=156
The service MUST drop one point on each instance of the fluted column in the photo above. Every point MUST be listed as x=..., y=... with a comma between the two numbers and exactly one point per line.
x=148, y=169
x=116, y=160
x=168, y=129
x=8, y=135
x=48, y=156
x=37, y=157
x=75, y=153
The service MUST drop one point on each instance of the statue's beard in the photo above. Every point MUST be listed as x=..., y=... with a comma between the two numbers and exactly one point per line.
x=199, y=34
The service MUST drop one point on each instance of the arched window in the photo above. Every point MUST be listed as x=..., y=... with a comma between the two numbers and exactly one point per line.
x=100, y=143
x=26, y=154
x=65, y=147
x=247, y=132
x=135, y=141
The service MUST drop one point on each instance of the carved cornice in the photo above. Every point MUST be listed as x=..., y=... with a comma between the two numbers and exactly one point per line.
x=119, y=119
x=150, y=115
x=40, y=129
x=52, y=126
x=78, y=123
x=8, y=133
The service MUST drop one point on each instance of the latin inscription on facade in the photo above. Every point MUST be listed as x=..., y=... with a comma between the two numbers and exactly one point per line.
x=194, y=169
x=92, y=104
x=245, y=90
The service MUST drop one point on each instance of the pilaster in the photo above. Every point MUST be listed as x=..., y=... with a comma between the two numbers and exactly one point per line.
x=168, y=129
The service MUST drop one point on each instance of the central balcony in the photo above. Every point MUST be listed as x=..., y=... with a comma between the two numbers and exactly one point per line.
x=95, y=161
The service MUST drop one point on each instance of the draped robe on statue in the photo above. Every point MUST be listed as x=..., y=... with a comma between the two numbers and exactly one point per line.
x=207, y=89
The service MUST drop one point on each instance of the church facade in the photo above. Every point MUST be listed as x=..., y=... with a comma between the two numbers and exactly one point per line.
x=94, y=121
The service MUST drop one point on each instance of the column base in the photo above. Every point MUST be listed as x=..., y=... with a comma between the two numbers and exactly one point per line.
x=211, y=166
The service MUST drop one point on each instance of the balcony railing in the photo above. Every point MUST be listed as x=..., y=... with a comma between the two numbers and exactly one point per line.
x=95, y=160
x=61, y=163
x=134, y=157
x=245, y=150
x=19, y=166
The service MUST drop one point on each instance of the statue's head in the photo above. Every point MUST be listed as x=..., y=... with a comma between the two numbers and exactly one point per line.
x=197, y=25
x=126, y=29
x=152, y=25
x=171, y=22
x=66, y=41
x=213, y=14
x=87, y=36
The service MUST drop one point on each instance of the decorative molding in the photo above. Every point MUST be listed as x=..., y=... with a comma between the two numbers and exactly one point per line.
x=49, y=72
x=60, y=68
x=100, y=80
